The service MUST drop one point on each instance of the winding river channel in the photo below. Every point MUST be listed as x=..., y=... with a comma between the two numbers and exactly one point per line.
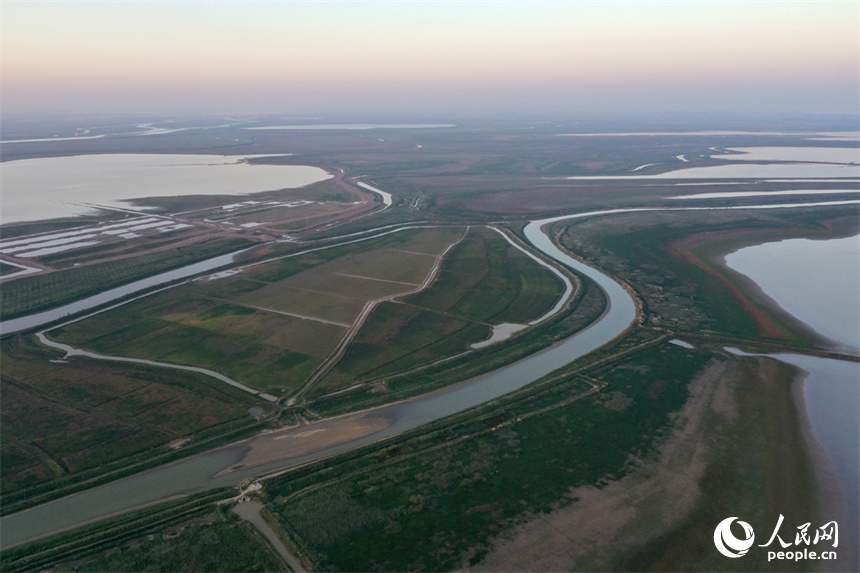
x=227, y=466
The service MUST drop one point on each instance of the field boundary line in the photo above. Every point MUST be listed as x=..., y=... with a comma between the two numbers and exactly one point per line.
x=327, y=365
x=272, y=310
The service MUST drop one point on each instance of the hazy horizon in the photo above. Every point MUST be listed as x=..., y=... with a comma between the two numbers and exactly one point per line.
x=430, y=58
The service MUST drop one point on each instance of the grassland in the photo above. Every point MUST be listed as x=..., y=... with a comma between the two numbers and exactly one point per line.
x=226, y=546
x=447, y=503
x=272, y=324
x=435, y=500
x=449, y=495
x=64, y=421
x=483, y=281
x=186, y=535
x=673, y=259
x=7, y=269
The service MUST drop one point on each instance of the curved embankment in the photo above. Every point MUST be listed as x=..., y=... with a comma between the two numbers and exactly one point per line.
x=70, y=351
x=272, y=452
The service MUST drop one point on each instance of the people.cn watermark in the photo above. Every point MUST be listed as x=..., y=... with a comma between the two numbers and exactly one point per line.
x=732, y=546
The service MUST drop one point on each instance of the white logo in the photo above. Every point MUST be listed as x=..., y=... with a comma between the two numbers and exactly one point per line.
x=727, y=543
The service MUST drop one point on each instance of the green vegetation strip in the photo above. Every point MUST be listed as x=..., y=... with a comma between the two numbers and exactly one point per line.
x=24, y=229
x=227, y=545
x=433, y=499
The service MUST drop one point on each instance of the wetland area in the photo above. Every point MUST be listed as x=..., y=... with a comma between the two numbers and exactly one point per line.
x=432, y=351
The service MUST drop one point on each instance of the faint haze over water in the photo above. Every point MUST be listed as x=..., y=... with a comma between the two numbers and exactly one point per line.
x=429, y=57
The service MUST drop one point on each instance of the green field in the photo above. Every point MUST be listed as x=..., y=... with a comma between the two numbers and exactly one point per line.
x=272, y=324
x=6, y=269
x=483, y=281
x=209, y=543
x=61, y=419
x=433, y=502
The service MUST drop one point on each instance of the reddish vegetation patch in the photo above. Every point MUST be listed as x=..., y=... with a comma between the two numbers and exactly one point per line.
x=685, y=249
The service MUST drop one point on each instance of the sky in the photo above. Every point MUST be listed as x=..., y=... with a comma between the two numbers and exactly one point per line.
x=353, y=57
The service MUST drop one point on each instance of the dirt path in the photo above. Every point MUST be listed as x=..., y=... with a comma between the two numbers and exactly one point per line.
x=338, y=352
x=72, y=351
x=250, y=512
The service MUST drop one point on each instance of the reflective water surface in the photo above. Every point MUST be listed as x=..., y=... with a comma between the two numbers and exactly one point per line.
x=52, y=187
x=816, y=281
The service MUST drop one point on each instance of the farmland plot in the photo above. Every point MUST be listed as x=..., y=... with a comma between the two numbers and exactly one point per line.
x=61, y=418
x=483, y=281
x=271, y=325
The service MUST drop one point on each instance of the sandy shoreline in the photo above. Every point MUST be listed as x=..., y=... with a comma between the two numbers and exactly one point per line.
x=644, y=518
x=828, y=494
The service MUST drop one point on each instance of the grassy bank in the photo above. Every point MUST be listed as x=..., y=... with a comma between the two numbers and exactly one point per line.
x=435, y=499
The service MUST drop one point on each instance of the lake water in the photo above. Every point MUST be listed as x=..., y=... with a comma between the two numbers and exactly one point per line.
x=751, y=171
x=797, y=162
x=819, y=283
x=831, y=392
x=844, y=155
x=47, y=188
x=815, y=281
x=736, y=194
x=352, y=126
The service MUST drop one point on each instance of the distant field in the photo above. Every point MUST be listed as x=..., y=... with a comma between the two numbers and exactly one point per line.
x=283, y=211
